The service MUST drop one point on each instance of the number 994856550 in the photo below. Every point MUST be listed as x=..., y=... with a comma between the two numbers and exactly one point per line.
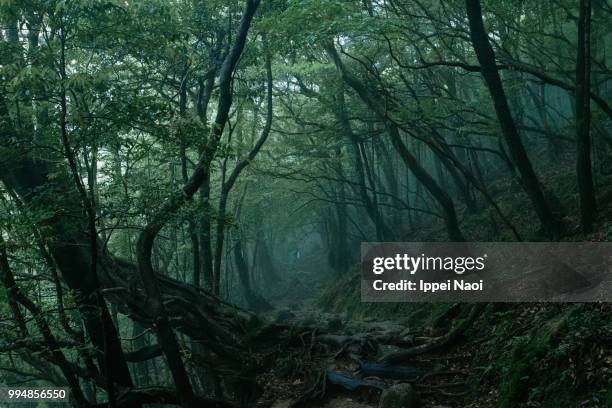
x=14, y=394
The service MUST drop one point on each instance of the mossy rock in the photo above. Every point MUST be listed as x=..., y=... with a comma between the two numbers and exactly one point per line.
x=399, y=396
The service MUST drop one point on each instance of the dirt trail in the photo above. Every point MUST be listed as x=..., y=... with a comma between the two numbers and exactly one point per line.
x=339, y=366
x=335, y=354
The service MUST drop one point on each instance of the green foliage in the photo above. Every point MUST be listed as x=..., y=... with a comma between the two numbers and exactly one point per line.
x=136, y=79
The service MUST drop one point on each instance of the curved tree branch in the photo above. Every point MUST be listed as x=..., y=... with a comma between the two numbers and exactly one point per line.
x=144, y=246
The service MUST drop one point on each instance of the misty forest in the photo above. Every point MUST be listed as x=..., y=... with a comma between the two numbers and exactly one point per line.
x=185, y=185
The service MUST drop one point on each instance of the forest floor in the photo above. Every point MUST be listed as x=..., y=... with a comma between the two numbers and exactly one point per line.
x=513, y=355
x=321, y=372
x=439, y=379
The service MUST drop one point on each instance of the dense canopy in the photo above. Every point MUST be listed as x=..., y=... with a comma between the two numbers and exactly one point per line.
x=171, y=172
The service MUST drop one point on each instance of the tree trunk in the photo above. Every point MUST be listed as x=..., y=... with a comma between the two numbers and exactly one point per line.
x=16, y=296
x=254, y=301
x=265, y=261
x=583, y=118
x=443, y=199
x=191, y=224
x=373, y=101
x=486, y=58
x=205, y=236
x=219, y=240
x=69, y=247
x=383, y=232
x=240, y=166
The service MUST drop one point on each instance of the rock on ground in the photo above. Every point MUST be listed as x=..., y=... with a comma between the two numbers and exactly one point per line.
x=399, y=396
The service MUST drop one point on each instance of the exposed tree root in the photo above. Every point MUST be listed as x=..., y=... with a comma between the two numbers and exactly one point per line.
x=437, y=342
x=159, y=395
